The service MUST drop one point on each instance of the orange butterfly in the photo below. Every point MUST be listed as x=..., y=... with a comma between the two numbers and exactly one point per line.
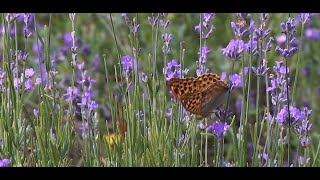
x=200, y=95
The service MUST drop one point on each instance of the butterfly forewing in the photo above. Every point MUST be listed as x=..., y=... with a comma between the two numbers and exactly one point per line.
x=183, y=87
x=205, y=80
x=192, y=103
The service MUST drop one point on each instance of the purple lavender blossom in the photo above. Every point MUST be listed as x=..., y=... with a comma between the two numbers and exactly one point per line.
x=167, y=38
x=289, y=30
x=278, y=88
x=68, y=40
x=96, y=62
x=303, y=17
x=262, y=70
x=140, y=115
x=153, y=21
x=29, y=73
x=243, y=15
x=206, y=27
x=234, y=49
x=304, y=161
x=144, y=77
x=236, y=80
x=281, y=39
x=227, y=164
x=173, y=70
x=127, y=64
x=303, y=127
x=38, y=81
x=10, y=17
x=223, y=76
x=283, y=119
x=306, y=71
x=164, y=22
x=2, y=80
x=135, y=27
x=84, y=128
x=240, y=30
x=71, y=94
x=4, y=162
x=17, y=83
x=87, y=104
x=202, y=61
x=238, y=105
x=169, y=112
x=27, y=18
x=85, y=49
x=261, y=33
x=268, y=118
x=125, y=16
x=305, y=141
x=312, y=34
x=218, y=129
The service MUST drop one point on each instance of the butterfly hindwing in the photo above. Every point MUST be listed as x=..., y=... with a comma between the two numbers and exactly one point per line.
x=212, y=97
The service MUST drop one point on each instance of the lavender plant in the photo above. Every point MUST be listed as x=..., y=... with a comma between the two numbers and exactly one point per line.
x=79, y=90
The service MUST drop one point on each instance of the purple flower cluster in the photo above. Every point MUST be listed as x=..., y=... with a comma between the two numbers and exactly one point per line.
x=202, y=61
x=303, y=127
x=153, y=20
x=262, y=69
x=218, y=129
x=259, y=35
x=167, y=38
x=283, y=117
x=288, y=49
x=266, y=162
x=239, y=29
x=311, y=32
x=4, y=162
x=169, y=112
x=173, y=70
x=303, y=17
x=300, y=120
x=236, y=80
x=206, y=28
x=82, y=98
x=133, y=26
x=127, y=65
x=234, y=49
x=278, y=88
x=87, y=104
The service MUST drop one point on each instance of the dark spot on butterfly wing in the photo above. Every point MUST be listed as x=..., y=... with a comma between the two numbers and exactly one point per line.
x=192, y=103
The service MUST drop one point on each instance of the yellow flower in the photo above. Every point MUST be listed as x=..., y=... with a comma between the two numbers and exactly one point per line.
x=113, y=138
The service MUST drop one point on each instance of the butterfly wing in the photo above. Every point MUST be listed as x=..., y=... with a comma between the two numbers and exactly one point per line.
x=183, y=87
x=199, y=95
x=212, y=97
x=205, y=80
x=192, y=103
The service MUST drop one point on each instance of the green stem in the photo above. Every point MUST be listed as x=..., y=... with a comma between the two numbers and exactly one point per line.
x=297, y=67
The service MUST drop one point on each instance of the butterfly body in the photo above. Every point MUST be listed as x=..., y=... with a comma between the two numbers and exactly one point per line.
x=200, y=95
